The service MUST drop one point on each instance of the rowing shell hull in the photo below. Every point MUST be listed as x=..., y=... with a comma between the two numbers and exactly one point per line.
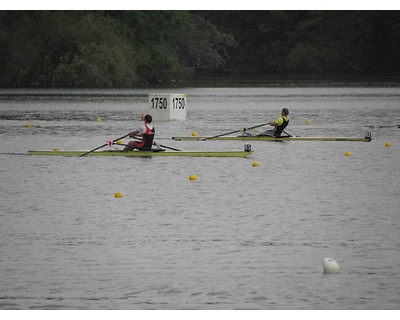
x=268, y=138
x=135, y=153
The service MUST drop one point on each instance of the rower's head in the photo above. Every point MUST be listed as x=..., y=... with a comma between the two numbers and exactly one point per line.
x=148, y=118
x=143, y=115
x=285, y=112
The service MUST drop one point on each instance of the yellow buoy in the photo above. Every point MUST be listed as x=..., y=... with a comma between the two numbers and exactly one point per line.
x=194, y=134
x=347, y=153
x=388, y=144
x=119, y=141
x=56, y=149
x=118, y=195
x=98, y=119
x=193, y=177
x=28, y=125
x=255, y=164
x=308, y=121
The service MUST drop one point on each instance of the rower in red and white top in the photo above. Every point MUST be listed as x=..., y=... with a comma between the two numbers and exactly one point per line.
x=146, y=131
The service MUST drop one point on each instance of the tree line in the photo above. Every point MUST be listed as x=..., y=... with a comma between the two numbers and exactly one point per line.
x=132, y=48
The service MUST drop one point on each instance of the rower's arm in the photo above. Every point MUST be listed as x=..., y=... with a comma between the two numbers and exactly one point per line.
x=134, y=133
x=277, y=122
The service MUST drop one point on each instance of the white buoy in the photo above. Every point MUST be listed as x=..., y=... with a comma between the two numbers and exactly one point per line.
x=330, y=266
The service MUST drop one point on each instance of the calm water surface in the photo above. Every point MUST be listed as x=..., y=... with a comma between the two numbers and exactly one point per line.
x=239, y=237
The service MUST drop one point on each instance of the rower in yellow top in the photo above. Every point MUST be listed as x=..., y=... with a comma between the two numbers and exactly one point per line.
x=279, y=126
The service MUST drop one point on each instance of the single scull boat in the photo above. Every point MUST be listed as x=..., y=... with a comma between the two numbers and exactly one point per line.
x=367, y=138
x=144, y=153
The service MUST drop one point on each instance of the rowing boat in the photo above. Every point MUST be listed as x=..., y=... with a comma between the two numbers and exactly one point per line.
x=367, y=138
x=146, y=153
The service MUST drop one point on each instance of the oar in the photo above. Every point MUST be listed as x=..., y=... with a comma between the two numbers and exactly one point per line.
x=244, y=129
x=106, y=144
x=166, y=147
x=161, y=145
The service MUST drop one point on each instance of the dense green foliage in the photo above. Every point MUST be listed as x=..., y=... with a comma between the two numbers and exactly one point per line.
x=130, y=48
x=313, y=41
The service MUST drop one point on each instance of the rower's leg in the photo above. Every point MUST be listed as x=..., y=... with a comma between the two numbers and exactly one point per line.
x=129, y=147
x=269, y=133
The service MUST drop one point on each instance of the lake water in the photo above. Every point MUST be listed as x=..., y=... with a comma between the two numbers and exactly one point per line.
x=239, y=237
